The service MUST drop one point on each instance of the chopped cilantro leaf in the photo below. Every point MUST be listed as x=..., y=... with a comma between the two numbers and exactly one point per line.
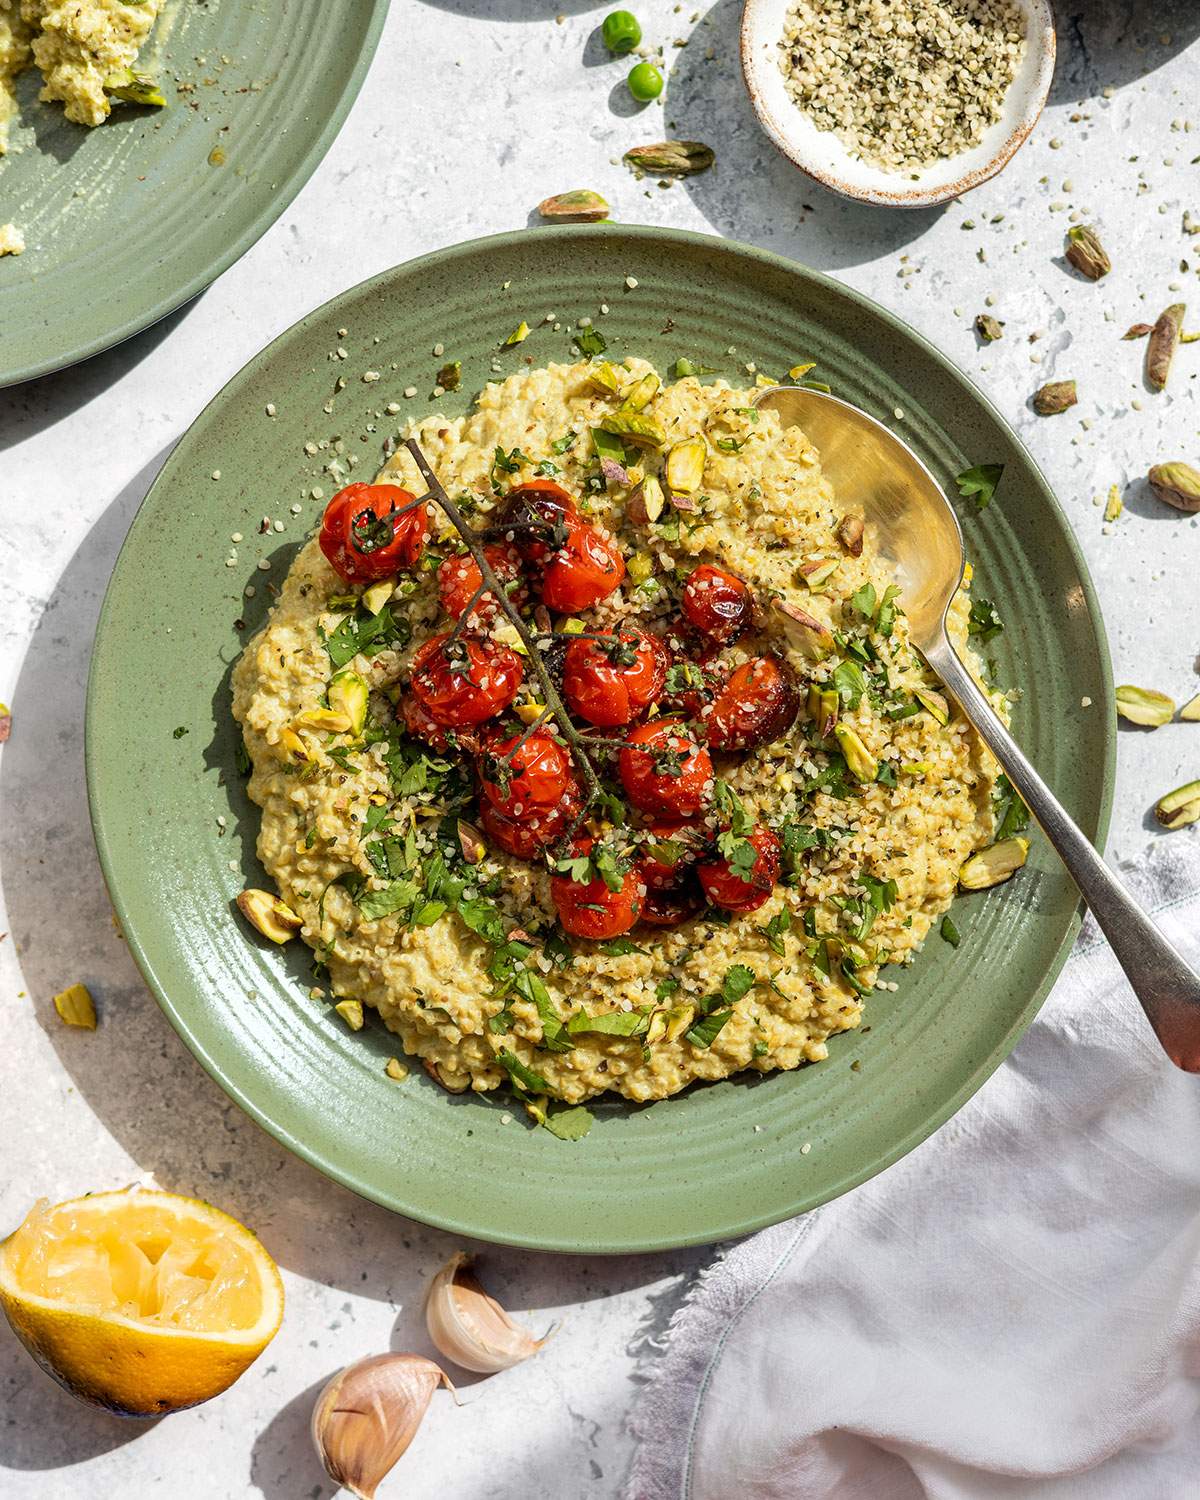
x=524, y=1079
x=589, y=342
x=704, y=1032
x=980, y=483
x=569, y=1124
x=950, y=933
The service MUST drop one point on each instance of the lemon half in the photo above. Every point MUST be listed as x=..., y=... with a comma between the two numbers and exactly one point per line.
x=140, y=1302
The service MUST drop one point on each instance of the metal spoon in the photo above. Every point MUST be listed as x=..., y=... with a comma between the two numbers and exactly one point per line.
x=919, y=534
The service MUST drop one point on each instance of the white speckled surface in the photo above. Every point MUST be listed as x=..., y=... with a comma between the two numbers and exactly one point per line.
x=464, y=124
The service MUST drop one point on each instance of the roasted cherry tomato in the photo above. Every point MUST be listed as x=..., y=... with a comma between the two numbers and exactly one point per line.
x=464, y=682
x=674, y=905
x=716, y=603
x=537, y=778
x=363, y=536
x=586, y=569
x=664, y=771
x=725, y=887
x=459, y=577
x=669, y=853
x=757, y=703
x=588, y=909
x=536, y=517
x=525, y=837
x=613, y=679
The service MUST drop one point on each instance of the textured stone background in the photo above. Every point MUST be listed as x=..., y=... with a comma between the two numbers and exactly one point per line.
x=473, y=111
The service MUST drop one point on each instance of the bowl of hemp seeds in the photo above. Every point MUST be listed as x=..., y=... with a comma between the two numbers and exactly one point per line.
x=904, y=103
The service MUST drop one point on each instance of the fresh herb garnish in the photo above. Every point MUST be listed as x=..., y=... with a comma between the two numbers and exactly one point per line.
x=589, y=342
x=984, y=621
x=979, y=483
x=523, y=1078
x=950, y=933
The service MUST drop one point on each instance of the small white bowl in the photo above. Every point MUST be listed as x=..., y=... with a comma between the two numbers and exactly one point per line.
x=823, y=156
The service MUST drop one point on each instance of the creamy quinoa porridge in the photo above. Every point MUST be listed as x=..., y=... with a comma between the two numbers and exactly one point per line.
x=783, y=800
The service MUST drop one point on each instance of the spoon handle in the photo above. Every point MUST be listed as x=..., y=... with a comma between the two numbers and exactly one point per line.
x=1169, y=990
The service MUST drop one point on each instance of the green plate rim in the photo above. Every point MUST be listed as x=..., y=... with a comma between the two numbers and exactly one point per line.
x=906, y=1143
x=250, y=235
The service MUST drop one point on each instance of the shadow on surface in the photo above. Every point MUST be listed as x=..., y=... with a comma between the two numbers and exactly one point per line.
x=45, y=1428
x=534, y=11
x=1110, y=43
x=33, y=405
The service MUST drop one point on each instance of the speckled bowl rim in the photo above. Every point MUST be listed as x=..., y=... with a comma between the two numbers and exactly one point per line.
x=1038, y=11
x=747, y=1223
x=285, y=193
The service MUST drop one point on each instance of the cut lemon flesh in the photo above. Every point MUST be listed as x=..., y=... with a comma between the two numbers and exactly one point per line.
x=141, y=1302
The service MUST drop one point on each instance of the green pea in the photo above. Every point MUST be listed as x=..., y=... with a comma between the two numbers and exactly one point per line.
x=645, y=82
x=620, y=31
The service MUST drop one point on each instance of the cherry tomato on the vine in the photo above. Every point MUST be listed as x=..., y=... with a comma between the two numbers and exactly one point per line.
x=612, y=677
x=664, y=770
x=524, y=778
x=731, y=883
x=463, y=682
x=589, y=908
x=757, y=703
x=535, y=517
x=586, y=569
x=525, y=837
x=717, y=603
x=459, y=578
x=365, y=538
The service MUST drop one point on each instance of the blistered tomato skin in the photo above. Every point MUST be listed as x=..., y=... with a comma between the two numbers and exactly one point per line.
x=664, y=770
x=614, y=680
x=588, y=909
x=535, y=517
x=363, y=537
x=757, y=703
x=730, y=891
x=536, y=779
x=464, y=683
x=668, y=908
x=459, y=578
x=586, y=569
x=716, y=603
x=525, y=837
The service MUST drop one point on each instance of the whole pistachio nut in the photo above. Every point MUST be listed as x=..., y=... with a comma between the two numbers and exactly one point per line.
x=1190, y=712
x=1164, y=340
x=1144, y=706
x=1180, y=807
x=580, y=206
x=1086, y=253
x=1176, y=484
x=1058, y=396
x=988, y=328
x=672, y=158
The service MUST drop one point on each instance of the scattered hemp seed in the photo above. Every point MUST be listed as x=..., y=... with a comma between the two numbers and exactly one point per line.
x=235, y=536
x=631, y=283
x=369, y=377
x=270, y=408
x=216, y=474
x=409, y=392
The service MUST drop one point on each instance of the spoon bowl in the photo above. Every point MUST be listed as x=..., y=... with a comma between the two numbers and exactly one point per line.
x=914, y=529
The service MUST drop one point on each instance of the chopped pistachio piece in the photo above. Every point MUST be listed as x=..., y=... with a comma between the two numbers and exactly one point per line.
x=327, y=719
x=1164, y=340
x=529, y=713
x=348, y=694
x=602, y=379
x=640, y=567
x=862, y=764
x=134, y=88
x=470, y=840
x=817, y=572
x=375, y=597
x=518, y=336
x=1114, y=505
x=646, y=503
x=803, y=630
x=850, y=531
x=1190, y=712
x=1058, y=396
x=579, y=206
x=269, y=915
x=685, y=465
x=351, y=1012
x=641, y=392
x=76, y=1007
x=396, y=1069
x=988, y=328
x=934, y=704
x=1144, y=706
x=824, y=705
x=635, y=426
x=1180, y=807
x=1086, y=253
x=672, y=158
x=295, y=747
x=1176, y=484
x=993, y=865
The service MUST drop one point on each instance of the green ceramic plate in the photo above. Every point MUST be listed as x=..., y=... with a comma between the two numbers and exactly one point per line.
x=722, y=1159
x=125, y=222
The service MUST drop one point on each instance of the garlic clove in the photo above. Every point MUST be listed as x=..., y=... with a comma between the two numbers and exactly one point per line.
x=368, y=1414
x=471, y=1328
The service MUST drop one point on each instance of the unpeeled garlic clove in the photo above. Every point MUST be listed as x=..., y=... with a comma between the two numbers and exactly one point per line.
x=471, y=1328
x=368, y=1414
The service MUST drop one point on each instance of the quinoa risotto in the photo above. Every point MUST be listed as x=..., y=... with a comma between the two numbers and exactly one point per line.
x=786, y=800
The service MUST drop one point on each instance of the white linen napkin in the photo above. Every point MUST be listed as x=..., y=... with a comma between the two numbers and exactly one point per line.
x=1013, y=1310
